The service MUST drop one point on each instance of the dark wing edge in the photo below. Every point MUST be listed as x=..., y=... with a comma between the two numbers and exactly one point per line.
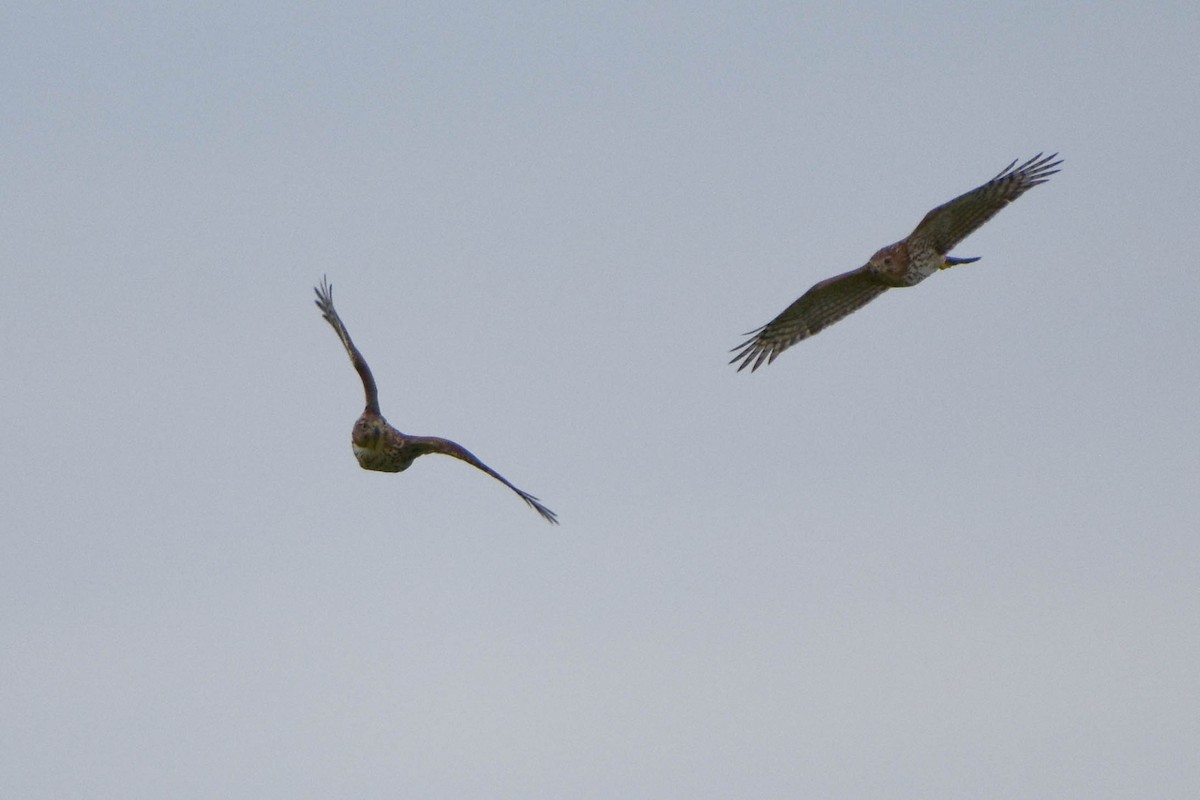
x=950, y=223
x=324, y=302
x=436, y=444
x=819, y=307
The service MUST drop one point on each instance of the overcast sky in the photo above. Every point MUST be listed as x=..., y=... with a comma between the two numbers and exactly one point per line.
x=947, y=548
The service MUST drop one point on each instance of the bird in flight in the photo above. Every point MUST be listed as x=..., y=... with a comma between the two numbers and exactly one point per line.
x=377, y=445
x=905, y=263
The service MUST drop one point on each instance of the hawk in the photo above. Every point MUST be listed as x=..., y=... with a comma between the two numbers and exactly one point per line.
x=377, y=445
x=905, y=263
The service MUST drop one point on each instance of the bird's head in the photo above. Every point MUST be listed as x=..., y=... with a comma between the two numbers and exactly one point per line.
x=368, y=431
x=891, y=265
x=893, y=258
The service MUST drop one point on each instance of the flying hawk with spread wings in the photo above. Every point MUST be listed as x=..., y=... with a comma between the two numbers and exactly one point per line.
x=377, y=445
x=905, y=263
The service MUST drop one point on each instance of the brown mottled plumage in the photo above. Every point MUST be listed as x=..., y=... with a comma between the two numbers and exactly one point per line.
x=905, y=263
x=377, y=445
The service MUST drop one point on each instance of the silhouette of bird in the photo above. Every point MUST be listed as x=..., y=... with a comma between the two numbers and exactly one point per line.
x=377, y=445
x=905, y=263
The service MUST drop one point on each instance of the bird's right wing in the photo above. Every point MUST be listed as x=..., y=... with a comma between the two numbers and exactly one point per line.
x=324, y=302
x=436, y=444
x=821, y=306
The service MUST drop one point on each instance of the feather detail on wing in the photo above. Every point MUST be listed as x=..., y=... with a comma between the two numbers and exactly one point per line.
x=819, y=307
x=435, y=444
x=324, y=302
x=950, y=223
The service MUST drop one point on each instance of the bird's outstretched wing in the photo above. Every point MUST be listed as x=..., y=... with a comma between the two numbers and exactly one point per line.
x=950, y=223
x=324, y=302
x=822, y=305
x=435, y=444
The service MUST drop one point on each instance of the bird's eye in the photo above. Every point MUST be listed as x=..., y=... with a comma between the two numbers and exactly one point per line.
x=887, y=260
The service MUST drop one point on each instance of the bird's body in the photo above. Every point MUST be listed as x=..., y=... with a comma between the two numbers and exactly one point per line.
x=905, y=263
x=380, y=447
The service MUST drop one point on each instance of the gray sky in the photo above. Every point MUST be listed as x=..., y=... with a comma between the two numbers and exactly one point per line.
x=947, y=548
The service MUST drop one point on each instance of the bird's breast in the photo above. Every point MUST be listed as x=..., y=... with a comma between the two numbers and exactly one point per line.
x=919, y=266
x=381, y=460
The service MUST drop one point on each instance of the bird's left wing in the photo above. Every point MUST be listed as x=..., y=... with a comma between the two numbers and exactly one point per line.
x=950, y=223
x=324, y=302
x=436, y=444
x=822, y=305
